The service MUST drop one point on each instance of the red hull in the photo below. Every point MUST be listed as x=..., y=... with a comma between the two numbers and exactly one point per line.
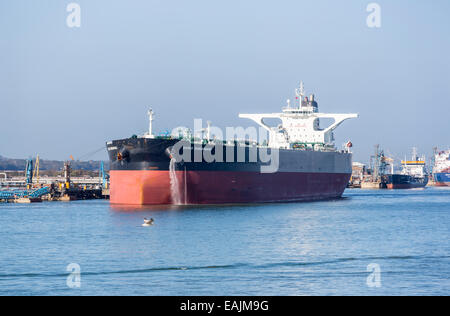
x=220, y=187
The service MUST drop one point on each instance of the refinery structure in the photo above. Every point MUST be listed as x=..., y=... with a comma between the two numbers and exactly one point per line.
x=33, y=186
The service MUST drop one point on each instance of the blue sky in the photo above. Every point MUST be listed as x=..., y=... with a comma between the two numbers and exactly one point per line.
x=67, y=91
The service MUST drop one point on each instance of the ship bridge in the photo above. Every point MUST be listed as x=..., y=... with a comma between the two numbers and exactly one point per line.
x=300, y=124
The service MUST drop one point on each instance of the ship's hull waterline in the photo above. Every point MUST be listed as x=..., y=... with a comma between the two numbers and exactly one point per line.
x=216, y=187
x=399, y=181
x=146, y=175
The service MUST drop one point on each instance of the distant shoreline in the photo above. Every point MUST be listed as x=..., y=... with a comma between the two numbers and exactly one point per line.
x=18, y=165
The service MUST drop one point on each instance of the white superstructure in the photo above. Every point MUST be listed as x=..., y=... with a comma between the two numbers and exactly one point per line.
x=416, y=166
x=442, y=161
x=300, y=124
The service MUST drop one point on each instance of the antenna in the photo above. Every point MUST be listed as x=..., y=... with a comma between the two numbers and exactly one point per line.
x=299, y=93
x=208, y=131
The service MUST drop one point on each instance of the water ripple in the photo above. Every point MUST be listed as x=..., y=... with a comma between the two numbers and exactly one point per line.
x=221, y=267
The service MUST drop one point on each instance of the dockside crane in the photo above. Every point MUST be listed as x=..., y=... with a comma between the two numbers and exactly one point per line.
x=29, y=173
x=36, y=170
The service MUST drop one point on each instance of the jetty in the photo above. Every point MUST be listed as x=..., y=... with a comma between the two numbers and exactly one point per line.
x=33, y=188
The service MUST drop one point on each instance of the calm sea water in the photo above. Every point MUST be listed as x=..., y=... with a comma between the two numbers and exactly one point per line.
x=321, y=248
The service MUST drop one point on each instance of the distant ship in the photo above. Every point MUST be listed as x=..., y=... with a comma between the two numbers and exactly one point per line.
x=441, y=168
x=310, y=167
x=413, y=174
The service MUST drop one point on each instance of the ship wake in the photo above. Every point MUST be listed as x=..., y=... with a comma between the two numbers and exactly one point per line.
x=174, y=184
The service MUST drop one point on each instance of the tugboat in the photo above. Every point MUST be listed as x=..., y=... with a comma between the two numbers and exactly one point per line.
x=413, y=174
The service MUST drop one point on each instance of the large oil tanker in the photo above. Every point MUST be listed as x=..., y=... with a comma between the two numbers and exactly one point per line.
x=441, y=168
x=299, y=162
